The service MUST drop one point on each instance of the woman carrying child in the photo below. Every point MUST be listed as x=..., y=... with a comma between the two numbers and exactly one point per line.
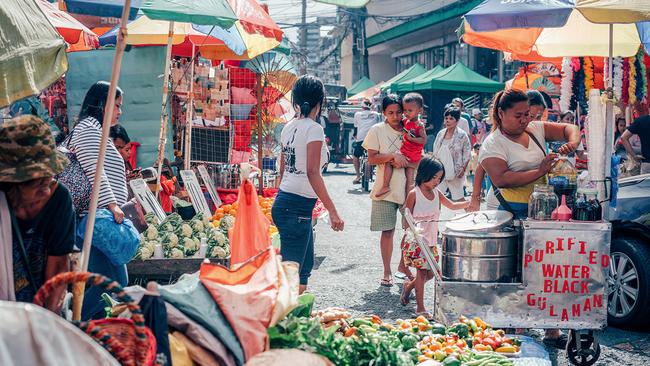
x=414, y=138
x=424, y=202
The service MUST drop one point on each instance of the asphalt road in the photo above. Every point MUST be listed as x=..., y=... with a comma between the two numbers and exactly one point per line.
x=348, y=270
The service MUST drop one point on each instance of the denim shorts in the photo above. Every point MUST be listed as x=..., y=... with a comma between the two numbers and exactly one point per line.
x=292, y=215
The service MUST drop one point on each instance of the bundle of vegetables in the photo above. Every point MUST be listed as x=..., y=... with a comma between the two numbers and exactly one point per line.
x=378, y=348
x=364, y=341
x=182, y=239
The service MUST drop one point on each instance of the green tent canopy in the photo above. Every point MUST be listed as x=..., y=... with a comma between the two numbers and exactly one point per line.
x=360, y=85
x=407, y=85
x=411, y=72
x=459, y=77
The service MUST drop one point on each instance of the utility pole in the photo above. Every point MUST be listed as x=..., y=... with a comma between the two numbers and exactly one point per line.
x=359, y=53
x=303, y=39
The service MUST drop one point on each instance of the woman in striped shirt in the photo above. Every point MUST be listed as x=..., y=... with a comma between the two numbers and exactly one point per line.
x=85, y=142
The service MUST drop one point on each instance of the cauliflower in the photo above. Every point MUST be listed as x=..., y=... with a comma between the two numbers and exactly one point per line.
x=145, y=253
x=227, y=222
x=167, y=228
x=186, y=230
x=170, y=239
x=151, y=219
x=190, y=244
x=152, y=232
x=204, y=219
x=219, y=238
x=202, y=235
x=218, y=252
x=176, y=253
x=197, y=226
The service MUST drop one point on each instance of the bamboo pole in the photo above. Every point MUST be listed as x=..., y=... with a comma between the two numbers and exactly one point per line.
x=189, y=113
x=163, y=114
x=260, y=89
x=78, y=290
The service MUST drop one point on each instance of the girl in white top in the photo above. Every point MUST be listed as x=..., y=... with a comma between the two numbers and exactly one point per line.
x=304, y=154
x=424, y=203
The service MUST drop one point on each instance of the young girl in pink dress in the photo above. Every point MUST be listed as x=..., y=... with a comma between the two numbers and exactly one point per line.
x=424, y=203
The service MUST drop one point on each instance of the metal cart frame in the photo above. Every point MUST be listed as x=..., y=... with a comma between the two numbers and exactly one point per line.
x=561, y=285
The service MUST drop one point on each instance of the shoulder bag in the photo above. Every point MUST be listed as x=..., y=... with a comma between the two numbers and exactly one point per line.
x=74, y=178
x=497, y=191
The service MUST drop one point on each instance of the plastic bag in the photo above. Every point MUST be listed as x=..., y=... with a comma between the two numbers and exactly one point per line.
x=250, y=234
x=119, y=242
x=248, y=297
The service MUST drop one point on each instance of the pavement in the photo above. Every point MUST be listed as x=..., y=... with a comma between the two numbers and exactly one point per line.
x=348, y=270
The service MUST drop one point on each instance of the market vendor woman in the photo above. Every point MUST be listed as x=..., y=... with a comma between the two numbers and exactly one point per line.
x=515, y=158
x=514, y=154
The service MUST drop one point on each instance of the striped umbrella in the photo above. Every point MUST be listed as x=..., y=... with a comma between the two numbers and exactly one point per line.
x=77, y=35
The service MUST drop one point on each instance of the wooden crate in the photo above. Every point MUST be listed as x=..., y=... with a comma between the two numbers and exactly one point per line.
x=165, y=271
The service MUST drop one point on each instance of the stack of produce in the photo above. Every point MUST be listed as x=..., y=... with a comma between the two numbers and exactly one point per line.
x=182, y=239
x=370, y=341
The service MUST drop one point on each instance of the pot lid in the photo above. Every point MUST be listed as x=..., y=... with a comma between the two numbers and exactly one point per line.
x=480, y=220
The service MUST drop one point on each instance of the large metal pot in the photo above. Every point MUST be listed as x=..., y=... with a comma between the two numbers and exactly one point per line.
x=481, y=252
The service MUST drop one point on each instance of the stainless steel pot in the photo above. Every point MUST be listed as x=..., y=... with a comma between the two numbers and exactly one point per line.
x=489, y=254
x=480, y=257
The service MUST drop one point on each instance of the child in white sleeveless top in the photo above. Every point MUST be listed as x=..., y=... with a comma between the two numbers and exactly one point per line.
x=424, y=203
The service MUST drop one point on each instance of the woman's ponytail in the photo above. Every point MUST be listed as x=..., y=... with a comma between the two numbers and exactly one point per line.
x=305, y=108
x=308, y=92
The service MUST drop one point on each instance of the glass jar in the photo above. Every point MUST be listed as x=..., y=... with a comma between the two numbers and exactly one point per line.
x=542, y=202
x=587, y=206
x=564, y=179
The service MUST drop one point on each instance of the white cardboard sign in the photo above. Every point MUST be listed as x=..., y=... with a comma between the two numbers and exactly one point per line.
x=194, y=189
x=209, y=184
x=144, y=196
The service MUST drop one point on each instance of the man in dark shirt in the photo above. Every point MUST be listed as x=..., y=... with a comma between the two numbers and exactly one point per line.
x=640, y=127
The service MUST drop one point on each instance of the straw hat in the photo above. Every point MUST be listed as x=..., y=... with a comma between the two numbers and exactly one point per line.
x=28, y=150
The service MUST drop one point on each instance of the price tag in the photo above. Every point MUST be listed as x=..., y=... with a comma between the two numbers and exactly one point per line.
x=209, y=183
x=194, y=189
x=149, y=203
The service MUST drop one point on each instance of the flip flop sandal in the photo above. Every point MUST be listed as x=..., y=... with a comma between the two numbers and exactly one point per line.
x=356, y=181
x=386, y=283
x=404, y=299
x=401, y=275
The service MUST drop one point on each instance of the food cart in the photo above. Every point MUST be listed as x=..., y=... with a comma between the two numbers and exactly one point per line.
x=524, y=274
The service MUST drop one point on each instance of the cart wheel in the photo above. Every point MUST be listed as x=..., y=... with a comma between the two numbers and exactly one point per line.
x=588, y=352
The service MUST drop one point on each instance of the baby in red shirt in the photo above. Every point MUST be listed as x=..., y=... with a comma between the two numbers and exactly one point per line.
x=412, y=145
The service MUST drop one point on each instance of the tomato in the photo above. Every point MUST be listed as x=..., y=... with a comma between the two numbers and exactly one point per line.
x=490, y=342
x=449, y=350
x=461, y=344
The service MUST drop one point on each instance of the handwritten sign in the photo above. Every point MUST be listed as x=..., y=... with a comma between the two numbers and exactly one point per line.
x=209, y=184
x=565, y=272
x=194, y=189
x=144, y=196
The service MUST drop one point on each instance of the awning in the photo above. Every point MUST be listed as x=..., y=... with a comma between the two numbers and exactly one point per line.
x=459, y=77
x=360, y=85
x=407, y=84
x=409, y=73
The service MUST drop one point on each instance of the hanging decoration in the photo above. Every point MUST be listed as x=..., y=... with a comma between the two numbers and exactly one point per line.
x=641, y=80
x=579, y=97
x=566, y=84
x=632, y=81
x=625, y=96
x=589, y=75
x=617, y=63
